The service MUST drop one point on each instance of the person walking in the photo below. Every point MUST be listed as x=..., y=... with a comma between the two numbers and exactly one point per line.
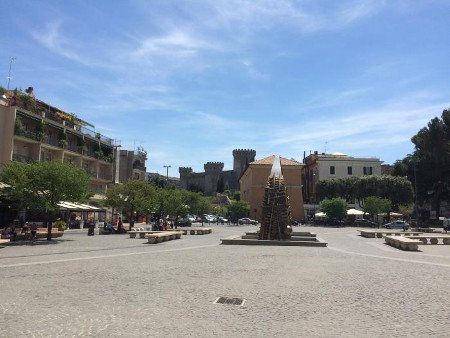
x=33, y=231
x=91, y=227
x=120, y=226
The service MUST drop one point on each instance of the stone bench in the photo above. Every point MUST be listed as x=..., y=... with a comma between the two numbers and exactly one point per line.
x=404, y=243
x=381, y=233
x=197, y=231
x=158, y=237
x=433, y=238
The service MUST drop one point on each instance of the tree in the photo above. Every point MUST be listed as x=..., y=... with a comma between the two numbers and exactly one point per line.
x=406, y=210
x=397, y=189
x=41, y=186
x=375, y=205
x=238, y=209
x=428, y=168
x=335, y=208
x=134, y=196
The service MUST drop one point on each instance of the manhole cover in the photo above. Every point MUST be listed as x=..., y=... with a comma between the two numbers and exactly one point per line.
x=230, y=301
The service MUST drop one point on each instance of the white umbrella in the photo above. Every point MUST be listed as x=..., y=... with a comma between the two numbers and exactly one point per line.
x=354, y=212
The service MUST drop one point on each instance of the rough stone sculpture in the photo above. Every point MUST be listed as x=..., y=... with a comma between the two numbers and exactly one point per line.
x=276, y=214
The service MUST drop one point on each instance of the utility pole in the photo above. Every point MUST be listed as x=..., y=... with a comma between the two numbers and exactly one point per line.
x=11, y=60
x=167, y=173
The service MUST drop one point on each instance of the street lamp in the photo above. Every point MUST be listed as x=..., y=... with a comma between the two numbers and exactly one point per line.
x=167, y=173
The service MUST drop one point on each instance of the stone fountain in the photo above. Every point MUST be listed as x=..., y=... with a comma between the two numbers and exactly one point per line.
x=276, y=226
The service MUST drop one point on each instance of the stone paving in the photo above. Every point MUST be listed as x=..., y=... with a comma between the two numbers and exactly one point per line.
x=107, y=286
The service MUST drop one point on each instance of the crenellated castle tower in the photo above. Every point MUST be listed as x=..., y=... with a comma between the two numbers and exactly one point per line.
x=184, y=175
x=241, y=159
x=212, y=175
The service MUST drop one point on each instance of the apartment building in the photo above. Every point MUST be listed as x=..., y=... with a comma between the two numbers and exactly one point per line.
x=32, y=130
x=318, y=167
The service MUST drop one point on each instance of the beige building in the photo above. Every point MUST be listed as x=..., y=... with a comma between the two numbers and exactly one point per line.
x=32, y=130
x=254, y=179
x=132, y=164
x=319, y=167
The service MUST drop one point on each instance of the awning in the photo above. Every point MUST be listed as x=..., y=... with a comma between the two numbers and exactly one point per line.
x=354, y=212
x=73, y=206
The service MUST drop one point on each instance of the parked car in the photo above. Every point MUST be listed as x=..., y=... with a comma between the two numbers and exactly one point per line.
x=247, y=221
x=184, y=222
x=192, y=218
x=222, y=220
x=398, y=224
x=365, y=223
x=208, y=218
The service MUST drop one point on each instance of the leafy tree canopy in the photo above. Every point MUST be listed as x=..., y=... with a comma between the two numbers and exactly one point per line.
x=396, y=189
x=335, y=208
x=41, y=186
x=428, y=168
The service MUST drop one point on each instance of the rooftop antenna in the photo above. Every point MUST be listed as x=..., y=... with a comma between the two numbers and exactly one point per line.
x=326, y=143
x=11, y=60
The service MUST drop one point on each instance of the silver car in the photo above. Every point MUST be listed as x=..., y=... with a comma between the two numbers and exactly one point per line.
x=399, y=224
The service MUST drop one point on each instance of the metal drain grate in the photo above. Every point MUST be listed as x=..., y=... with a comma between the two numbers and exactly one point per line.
x=230, y=301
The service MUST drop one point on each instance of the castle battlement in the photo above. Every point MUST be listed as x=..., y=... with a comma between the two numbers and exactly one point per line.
x=213, y=166
x=184, y=170
x=244, y=153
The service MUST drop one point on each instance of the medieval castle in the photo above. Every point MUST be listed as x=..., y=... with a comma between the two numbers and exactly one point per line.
x=215, y=179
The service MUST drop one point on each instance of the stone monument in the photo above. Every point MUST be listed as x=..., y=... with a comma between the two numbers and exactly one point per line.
x=276, y=214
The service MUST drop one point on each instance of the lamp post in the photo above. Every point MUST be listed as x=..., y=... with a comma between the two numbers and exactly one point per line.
x=11, y=60
x=167, y=174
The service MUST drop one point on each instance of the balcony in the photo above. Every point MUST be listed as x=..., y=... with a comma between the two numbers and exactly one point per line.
x=28, y=134
x=22, y=158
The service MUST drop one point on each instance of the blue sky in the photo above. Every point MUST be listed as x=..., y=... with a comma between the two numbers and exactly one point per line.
x=192, y=80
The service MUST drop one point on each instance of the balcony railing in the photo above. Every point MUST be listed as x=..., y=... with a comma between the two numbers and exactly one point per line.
x=22, y=158
x=50, y=140
x=28, y=134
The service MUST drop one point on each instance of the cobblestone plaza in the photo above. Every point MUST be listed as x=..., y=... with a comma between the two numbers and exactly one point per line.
x=106, y=286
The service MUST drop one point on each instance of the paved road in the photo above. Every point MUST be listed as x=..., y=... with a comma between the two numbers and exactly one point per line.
x=107, y=286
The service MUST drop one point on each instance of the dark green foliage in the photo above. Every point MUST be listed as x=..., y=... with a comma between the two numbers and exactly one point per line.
x=428, y=168
x=41, y=185
x=396, y=189
x=335, y=208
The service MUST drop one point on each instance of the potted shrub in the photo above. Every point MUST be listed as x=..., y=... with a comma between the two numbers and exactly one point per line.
x=61, y=225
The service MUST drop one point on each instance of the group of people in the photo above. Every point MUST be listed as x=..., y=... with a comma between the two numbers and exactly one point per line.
x=11, y=231
x=163, y=224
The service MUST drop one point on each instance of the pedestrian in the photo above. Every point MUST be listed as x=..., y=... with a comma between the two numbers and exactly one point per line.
x=33, y=231
x=120, y=226
x=91, y=227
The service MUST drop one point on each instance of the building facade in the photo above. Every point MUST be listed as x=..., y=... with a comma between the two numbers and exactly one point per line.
x=254, y=180
x=32, y=130
x=319, y=167
x=132, y=164
x=214, y=178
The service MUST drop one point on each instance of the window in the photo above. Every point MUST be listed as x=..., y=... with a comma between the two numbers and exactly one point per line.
x=332, y=170
x=349, y=170
x=367, y=170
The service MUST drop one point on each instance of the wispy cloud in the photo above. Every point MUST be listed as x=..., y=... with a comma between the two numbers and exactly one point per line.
x=176, y=43
x=54, y=40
